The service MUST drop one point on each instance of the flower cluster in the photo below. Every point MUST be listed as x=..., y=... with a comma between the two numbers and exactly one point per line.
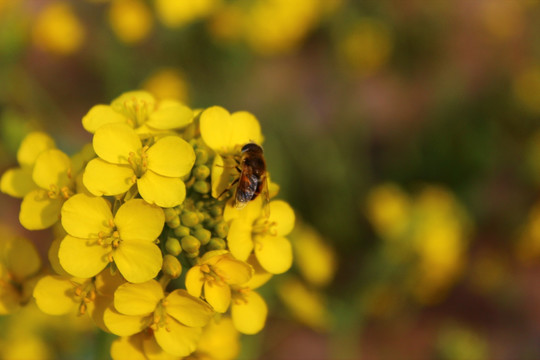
x=150, y=243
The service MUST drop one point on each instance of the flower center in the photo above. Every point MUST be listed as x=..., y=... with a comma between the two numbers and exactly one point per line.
x=262, y=226
x=160, y=316
x=137, y=111
x=139, y=162
x=85, y=293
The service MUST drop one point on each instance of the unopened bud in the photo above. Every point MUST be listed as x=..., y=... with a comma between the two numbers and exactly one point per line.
x=216, y=244
x=181, y=231
x=202, y=156
x=174, y=222
x=190, y=244
x=221, y=229
x=172, y=245
x=189, y=218
x=201, y=186
x=201, y=172
x=171, y=266
x=203, y=235
x=170, y=213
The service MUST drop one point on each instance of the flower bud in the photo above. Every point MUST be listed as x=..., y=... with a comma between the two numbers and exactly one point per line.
x=172, y=245
x=181, y=231
x=202, y=156
x=216, y=211
x=203, y=235
x=171, y=266
x=170, y=213
x=201, y=172
x=201, y=186
x=174, y=222
x=189, y=218
x=221, y=229
x=216, y=244
x=190, y=244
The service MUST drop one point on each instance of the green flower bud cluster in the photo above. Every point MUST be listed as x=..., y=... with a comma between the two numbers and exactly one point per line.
x=197, y=225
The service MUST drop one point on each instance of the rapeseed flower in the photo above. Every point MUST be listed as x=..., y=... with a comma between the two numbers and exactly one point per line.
x=141, y=111
x=96, y=238
x=252, y=231
x=176, y=319
x=19, y=265
x=212, y=277
x=123, y=162
x=131, y=20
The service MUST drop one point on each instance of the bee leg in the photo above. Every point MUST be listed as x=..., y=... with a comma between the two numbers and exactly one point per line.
x=228, y=187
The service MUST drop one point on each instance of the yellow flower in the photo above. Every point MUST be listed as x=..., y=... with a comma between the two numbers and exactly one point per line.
x=18, y=182
x=123, y=161
x=212, y=276
x=251, y=231
x=248, y=310
x=316, y=260
x=95, y=238
x=220, y=340
x=54, y=177
x=176, y=319
x=167, y=83
x=58, y=30
x=58, y=295
x=306, y=305
x=19, y=263
x=226, y=133
x=367, y=46
x=526, y=88
x=131, y=20
x=141, y=111
x=173, y=13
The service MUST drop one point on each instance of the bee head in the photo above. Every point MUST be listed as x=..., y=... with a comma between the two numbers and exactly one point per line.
x=252, y=147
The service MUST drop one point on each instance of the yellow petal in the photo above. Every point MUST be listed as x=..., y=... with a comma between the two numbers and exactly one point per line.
x=86, y=216
x=224, y=132
x=260, y=276
x=138, y=299
x=136, y=219
x=114, y=143
x=170, y=114
x=96, y=310
x=246, y=129
x=171, y=156
x=160, y=190
x=274, y=253
x=128, y=348
x=232, y=271
x=32, y=145
x=103, y=178
x=153, y=351
x=249, y=213
x=239, y=239
x=17, y=182
x=220, y=176
x=282, y=215
x=138, y=261
x=107, y=282
x=188, y=310
x=137, y=105
x=249, y=313
x=10, y=299
x=82, y=258
x=220, y=340
x=125, y=325
x=218, y=295
x=195, y=281
x=38, y=211
x=54, y=260
x=55, y=295
x=178, y=339
x=100, y=115
x=21, y=259
x=52, y=167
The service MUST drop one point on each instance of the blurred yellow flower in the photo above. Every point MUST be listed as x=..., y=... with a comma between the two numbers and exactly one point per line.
x=315, y=259
x=131, y=20
x=167, y=83
x=19, y=264
x=173, y=13
x=220, y=341
x=306, y=305
x=526, y=88
x=366, y=47
x=502, y=19
x=57, y=29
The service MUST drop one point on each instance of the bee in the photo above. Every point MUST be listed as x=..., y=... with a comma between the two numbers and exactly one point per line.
x=253, y=176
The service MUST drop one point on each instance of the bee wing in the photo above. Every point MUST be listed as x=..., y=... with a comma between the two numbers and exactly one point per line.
x=247, y=188
x=265, y=194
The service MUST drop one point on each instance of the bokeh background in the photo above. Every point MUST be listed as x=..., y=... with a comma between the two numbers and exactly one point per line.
x=405, y=134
